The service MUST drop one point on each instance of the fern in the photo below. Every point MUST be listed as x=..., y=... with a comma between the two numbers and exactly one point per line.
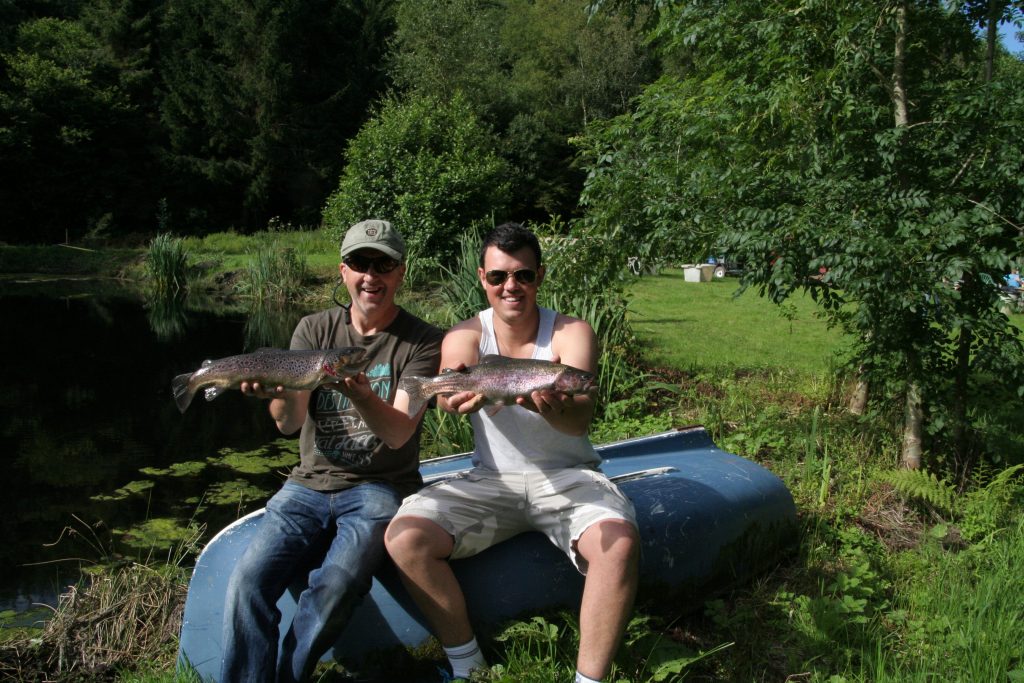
x=988, y=509
x=924, y=486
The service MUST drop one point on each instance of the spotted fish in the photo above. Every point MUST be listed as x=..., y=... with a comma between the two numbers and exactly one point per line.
x=501, y=380
x=271, y=368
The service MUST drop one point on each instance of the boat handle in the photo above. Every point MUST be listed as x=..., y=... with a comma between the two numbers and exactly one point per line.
x=640, y=474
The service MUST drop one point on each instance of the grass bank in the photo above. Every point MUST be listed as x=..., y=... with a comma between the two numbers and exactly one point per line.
x=69, y=261
x=690, y=326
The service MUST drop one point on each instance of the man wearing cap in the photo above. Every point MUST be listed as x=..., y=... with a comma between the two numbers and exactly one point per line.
x=359, y=456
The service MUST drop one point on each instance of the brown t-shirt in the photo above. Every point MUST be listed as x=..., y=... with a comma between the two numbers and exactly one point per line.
x=337, y=450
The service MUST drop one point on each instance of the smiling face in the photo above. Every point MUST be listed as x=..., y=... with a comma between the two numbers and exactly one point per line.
x=511, y=298
x=372, y=293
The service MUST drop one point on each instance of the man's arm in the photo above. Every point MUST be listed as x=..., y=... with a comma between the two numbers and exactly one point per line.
x=392, y=424
x=287, y=407
x=460, y=349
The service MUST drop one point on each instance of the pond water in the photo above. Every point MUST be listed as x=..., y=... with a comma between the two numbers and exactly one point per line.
x=100, y=464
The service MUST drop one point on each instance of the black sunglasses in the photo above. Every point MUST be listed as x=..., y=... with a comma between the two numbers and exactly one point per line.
x=362, y=264
x=523, y=276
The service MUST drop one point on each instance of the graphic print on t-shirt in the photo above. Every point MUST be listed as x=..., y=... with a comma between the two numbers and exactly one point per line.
x=341, y=435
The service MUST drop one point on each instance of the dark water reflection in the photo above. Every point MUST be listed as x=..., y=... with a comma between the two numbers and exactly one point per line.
x=94, y=447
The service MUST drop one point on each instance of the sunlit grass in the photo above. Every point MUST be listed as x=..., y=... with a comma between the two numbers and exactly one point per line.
x=704, y=325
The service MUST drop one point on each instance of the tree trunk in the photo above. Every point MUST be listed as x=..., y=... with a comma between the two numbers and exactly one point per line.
x=859, y=397
x=913, y=422
x=963, y=369
x=995, y=9
x=961, y=375
x=899, y=91
x=913, y=419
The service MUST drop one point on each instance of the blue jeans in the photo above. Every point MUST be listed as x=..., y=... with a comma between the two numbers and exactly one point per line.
x=297, y=524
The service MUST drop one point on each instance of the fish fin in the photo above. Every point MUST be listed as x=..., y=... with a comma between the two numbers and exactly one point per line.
x=211, y=393
x=182, y=392
x=493, y=409
x=492, y=358
x=414, y=386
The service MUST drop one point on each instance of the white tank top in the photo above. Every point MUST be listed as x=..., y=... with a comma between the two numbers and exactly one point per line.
x=518, y=440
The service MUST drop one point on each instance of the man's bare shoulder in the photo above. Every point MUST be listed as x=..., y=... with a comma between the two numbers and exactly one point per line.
x=468, y=326
x=570, y=326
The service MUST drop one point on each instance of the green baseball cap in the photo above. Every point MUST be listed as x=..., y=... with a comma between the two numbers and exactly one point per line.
x=374, y=234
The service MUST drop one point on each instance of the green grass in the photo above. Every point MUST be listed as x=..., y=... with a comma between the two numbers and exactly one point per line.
x=689, y=325
x=318, y=250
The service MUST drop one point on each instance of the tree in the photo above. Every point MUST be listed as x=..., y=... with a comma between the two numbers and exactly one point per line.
x=534, y=70
x=806, y=137
x=64, y=115
x=429, y=166
x=259, y=97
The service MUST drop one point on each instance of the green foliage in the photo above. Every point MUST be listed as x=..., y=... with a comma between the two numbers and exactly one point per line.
x=924, y=486
x=429, y=166
x=461, y=291
x=659, y=657
x=992, y=506
x=630, y=417
x=259, y=98
x=777, y=142
x=69, y=122
x=167, y=266
x=129, y=490
x=157, y=533
x=536, y=71
x=445, y=434
x=274, y=274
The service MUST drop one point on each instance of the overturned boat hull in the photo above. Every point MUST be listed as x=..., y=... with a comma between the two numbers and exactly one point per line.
x=708, y=519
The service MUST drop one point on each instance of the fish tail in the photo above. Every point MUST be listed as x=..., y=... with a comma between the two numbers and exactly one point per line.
x=183, y=393
x=418, y=389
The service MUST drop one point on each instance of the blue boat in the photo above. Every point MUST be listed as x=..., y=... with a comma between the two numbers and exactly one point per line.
x=708, y=520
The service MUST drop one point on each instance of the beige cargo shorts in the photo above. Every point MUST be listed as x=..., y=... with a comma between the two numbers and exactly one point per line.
x=481, y=508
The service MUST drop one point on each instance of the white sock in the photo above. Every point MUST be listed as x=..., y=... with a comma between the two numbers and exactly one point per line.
x=464, y=658
x=580, y=678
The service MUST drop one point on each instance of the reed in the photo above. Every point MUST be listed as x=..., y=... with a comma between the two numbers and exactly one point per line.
x=460, y=287
x=167, y=265
x=273, y=274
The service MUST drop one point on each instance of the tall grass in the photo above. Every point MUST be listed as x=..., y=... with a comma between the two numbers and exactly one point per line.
x=460, y=288
x=274, y=274
x=167, y=265
x=119, y=616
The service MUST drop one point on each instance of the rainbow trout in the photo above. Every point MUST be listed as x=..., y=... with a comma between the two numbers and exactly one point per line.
x=501, y=380
x=271, y=368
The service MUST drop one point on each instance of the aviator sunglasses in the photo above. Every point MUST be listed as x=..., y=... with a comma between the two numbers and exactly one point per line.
x=362, y=264
x=524, y=276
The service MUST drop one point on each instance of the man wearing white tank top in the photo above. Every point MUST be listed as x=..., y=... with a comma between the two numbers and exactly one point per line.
x=536, y=452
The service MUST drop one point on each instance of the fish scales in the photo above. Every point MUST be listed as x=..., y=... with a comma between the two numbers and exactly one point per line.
x=292, y=369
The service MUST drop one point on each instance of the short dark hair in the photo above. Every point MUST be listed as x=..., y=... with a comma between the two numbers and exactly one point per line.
x=510, y=237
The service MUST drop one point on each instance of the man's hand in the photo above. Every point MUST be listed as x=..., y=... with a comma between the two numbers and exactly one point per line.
x=465, y=402
x=547, y=402
x=257, y=390
x=357, y=387
x=462, y=402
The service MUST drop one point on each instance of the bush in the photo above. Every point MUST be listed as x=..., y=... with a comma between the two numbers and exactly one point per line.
x=430, y=168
